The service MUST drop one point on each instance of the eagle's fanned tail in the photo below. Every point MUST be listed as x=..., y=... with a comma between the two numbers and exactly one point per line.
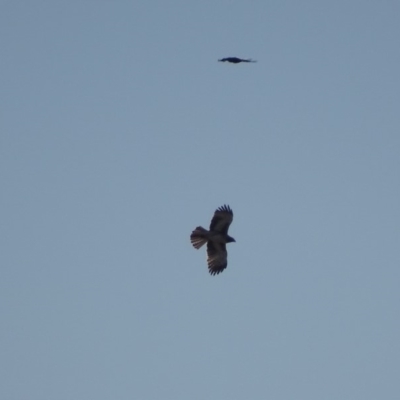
x=199, y=237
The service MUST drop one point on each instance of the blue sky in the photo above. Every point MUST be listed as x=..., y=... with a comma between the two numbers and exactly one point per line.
x=120, y=132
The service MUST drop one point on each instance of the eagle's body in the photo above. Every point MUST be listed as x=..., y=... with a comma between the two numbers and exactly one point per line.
x=216, y=239
x=236, y=60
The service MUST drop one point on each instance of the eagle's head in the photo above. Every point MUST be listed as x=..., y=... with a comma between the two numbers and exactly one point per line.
x=230, y=239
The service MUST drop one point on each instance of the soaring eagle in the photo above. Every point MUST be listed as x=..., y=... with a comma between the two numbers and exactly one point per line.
x=236, y=60
x=216, y=238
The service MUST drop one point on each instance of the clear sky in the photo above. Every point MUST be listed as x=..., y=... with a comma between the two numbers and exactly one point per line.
x=120, y=133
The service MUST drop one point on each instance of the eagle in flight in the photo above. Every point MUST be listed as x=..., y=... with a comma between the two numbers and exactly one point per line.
x=216, y=238
x=236, y=60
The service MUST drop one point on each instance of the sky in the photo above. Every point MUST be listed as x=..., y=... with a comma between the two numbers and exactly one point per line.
x=120, y=132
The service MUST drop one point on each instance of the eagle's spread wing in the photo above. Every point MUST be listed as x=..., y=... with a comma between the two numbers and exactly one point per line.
x=216, y=238
x=236, y=60
x=217, y=257
x=221, y=220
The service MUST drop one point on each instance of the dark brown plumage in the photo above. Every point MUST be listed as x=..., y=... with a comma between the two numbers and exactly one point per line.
x=216, y=239
x=237, y=60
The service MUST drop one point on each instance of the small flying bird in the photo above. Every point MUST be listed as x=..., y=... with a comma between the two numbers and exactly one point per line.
x=236, y=60
x=216, y=238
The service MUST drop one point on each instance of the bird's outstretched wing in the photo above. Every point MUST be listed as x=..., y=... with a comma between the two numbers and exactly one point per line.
x=221, y=220
x=217, y=259
x=236, y=60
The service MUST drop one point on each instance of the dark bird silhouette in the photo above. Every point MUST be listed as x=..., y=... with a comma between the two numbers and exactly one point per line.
x=236, y=60
x=216, y=239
